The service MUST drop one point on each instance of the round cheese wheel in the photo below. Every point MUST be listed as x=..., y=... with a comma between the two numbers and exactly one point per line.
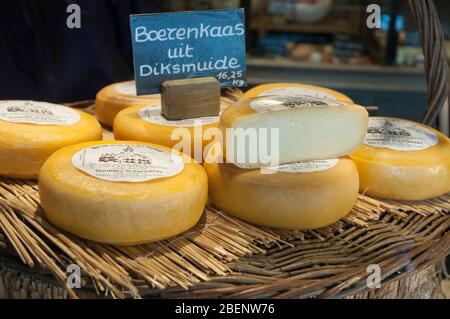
x=292, y=89
x=115, y=97
x=122, y=193
x=31, y=131
x=146, y=124
x=403, y=160
x=303, y=195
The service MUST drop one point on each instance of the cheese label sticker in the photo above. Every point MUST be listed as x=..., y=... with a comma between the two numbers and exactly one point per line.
x=41, y=113
x=305, y=166
x=152, y=114
x=129, y=88
x=280, y=103
x=127, y=162
x=399, y=135
x=298, y=91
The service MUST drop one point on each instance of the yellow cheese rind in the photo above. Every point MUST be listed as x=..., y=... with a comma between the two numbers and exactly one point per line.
x=284, y=200
x=24, y=147
x=128, y=125
x=405, y=175
x=261, y=89
x=109, y=102
x=120, y=213
x=305, y=133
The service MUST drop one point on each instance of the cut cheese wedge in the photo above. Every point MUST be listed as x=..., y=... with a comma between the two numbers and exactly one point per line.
x=31, y=131
x=403, y=160
x=273, y=130
x=147, y=124
x=122, y=193
x=115, y=97
x=293, y=89
x=304, y=195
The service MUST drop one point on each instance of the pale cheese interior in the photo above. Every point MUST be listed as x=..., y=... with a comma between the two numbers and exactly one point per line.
x=304, y=134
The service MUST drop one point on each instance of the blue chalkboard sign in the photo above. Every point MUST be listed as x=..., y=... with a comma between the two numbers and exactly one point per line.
x=180, y=45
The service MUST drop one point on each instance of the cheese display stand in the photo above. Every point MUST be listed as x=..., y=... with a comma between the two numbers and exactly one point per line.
x=223, y=256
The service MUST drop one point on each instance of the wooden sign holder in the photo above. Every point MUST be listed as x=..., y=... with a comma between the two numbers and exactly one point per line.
x=190, y=98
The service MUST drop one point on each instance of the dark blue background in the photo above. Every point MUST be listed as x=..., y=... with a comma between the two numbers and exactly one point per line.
x=42, y=59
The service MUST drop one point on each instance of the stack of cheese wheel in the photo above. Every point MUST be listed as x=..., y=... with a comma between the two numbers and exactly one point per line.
x=146, y=124
x=403, y=160
x=115, y=97
x=122, y=192
x=31, y=131
x=311, y=183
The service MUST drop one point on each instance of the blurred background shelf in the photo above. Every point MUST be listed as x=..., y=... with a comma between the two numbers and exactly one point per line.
x=398, y=91
x=265, y=24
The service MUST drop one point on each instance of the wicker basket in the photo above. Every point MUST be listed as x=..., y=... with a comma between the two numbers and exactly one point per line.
x=223, y=257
